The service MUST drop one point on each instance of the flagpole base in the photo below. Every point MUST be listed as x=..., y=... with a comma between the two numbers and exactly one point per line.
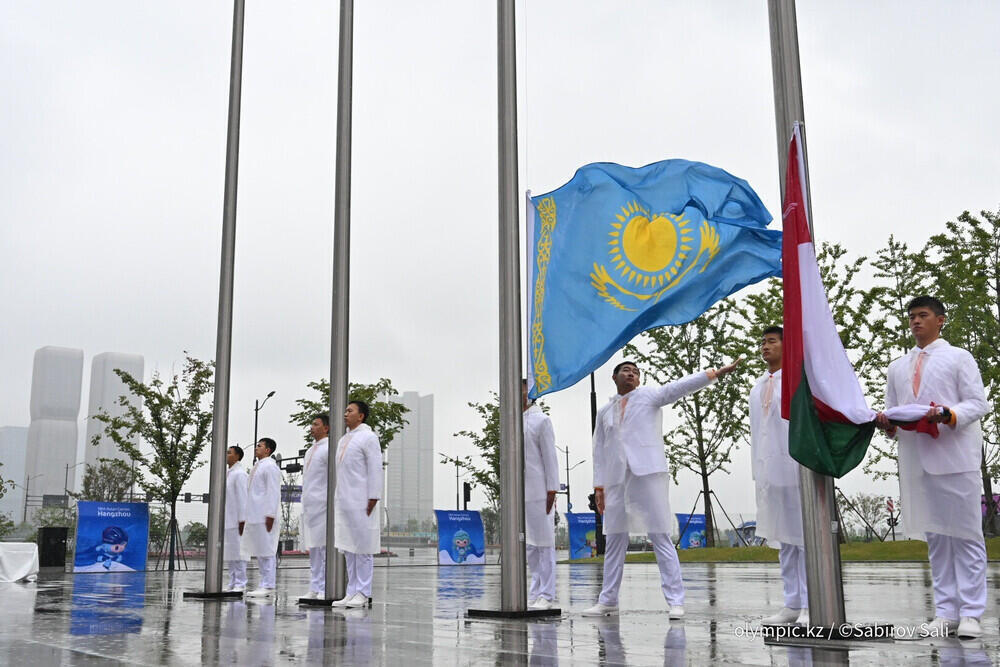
x=812, y=635
x=205, y=595
x=526, y=614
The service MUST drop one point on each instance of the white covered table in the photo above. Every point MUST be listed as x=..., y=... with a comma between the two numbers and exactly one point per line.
x=18, y=560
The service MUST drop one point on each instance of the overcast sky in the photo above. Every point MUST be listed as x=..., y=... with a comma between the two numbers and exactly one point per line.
x=112, y=153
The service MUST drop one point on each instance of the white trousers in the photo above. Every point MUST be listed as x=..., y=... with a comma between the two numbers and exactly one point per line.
x=237, y=573
x=958, y=569
x=671, y=584
x=360, y=568
x=542, y=563
x=268, y=566
x=317, y=569
x=792, y=559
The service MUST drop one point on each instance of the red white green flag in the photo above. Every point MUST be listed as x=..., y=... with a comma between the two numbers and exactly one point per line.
x=830, y=423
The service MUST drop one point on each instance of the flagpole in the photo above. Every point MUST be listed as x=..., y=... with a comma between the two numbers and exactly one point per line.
x=336, y=566
x=224, y=328
x=819, y=517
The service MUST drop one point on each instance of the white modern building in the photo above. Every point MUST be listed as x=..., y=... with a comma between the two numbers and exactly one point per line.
x=410, y=464
x=13, y=455
x=56, y=381
x=105, y=390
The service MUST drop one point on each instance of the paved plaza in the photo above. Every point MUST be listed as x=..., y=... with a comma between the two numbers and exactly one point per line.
x=418, y=618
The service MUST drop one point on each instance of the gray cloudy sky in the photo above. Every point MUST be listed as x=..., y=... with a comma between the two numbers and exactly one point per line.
x=112, y=149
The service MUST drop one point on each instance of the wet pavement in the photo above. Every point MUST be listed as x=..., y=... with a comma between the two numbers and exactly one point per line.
x=418, y=618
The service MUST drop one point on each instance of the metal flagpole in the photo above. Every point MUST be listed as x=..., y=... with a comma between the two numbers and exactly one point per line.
x=336, y=567
x=224, y=329
x=513, y=591
x=819, y=518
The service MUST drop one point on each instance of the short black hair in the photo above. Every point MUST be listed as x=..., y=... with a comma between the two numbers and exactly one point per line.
x=624, y=363
x=269, y=443
x=775, y=329
x=324, y=417
x=238, y=450
x=925, y=301
x=362, y=408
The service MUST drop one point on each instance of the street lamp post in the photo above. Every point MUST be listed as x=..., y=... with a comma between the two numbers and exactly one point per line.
x=565, y=450
x=257, y=405
x=66, y=486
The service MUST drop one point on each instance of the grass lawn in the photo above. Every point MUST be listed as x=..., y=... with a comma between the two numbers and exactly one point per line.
x=901, y=550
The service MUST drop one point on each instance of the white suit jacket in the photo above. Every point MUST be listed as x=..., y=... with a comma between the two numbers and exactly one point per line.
x=949, y=376
x=541, y=467
x=637, y=440
x=770, y=461
x=264, y=491
x=314, y=477
x=359, y=468
x=236, y=496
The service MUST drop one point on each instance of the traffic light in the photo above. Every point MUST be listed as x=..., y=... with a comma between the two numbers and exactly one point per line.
x=187, y=497
x=466, y=495
x=204, y=497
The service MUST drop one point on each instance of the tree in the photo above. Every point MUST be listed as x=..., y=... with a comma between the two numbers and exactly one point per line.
x=901, y=275
x=712, y=421
x=159, y=522
x=110, y=481
x=386, y=416
x=196, y=534
x=865, y=513
x=5, y=484
x=964, y=265
x=486, y=472
x=174, y=421
x=6, y=525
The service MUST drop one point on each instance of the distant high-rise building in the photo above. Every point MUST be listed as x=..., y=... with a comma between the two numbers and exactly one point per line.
x=105, y=389
x=56, y=380
x=13, y=455
x=410, y=471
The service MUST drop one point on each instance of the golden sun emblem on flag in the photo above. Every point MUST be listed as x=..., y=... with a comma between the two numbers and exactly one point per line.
x=650, y=254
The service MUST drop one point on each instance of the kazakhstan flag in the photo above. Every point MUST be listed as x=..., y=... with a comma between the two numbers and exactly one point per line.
x=619, y=250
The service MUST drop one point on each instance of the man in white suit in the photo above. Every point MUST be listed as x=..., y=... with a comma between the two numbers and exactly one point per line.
x=776, y=481
x=359, y=487
x=236, y=516
x=260, y=535
x=541, y=483
x=940, y=482
x=314, y=478
x=631, y=479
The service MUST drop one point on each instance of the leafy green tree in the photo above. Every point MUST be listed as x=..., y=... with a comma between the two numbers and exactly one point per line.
x=196, y=534
x=173, y=419
x=964, y=264
x=5, y=484
x=159, y=523
x=386, y=416
x=485, y=471
x=111, y=481
x=712, y=421
x=6, y=525
x=900, y=275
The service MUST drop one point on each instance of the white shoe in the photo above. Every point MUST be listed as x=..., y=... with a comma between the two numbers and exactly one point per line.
x=359, y=600
x=969, y=628
x=541, y=603
x=343, y=601
x=676, y=612
x=783, y=617
x=531, y=602
x=941, y=627
x=803, y=618
x=311, y=595
x=601, y=610
x=260, y=592
x=236, y=589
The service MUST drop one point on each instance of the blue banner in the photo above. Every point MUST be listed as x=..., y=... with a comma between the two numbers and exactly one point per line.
x=111, y=537
x=620, y=250
x=693, y=536
x=582, y=534
x=461, y=539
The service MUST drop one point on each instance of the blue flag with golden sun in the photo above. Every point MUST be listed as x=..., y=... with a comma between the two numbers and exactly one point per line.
x=619, y=250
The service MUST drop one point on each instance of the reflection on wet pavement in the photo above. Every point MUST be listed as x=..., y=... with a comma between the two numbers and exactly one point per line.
x=419, y=618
